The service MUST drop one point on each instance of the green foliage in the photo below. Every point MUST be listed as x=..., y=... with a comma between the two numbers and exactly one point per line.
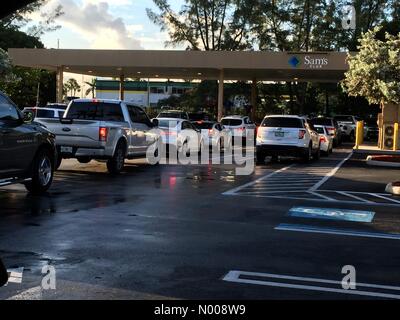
x=374, y=72
x=71, y=87
x=207, y=24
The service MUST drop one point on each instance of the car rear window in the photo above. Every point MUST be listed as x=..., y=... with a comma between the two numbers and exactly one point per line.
x=203, y=125
x=322, y=121
x=232, y=122
x=167, y=123
x=320, y=130
x=283, y=122
x=177, y=115
x=47, y=114
x=95, y=111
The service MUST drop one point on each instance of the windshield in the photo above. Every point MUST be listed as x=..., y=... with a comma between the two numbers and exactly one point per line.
x=282, y=122
x=232, y=122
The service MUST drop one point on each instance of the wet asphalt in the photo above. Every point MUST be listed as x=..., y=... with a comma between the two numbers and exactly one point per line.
x=169, y=232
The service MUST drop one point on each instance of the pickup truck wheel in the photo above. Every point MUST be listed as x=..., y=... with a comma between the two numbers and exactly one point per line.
x=42, y=173
x=116, y=163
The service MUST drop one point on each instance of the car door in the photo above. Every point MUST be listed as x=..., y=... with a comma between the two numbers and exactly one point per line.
x=314, y=135
x=17, y=140
x=142, y=125
x=135, y=143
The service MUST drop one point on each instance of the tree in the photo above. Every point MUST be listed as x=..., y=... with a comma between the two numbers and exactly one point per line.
x=19, y=19
x=207, y=24
x=92, y=87
x=72, y=86
x=374, y=72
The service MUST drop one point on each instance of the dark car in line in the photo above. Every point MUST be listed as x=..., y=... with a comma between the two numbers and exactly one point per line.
x=27, y=149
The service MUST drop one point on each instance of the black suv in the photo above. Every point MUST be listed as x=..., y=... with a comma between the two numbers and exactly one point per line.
x=27, y=150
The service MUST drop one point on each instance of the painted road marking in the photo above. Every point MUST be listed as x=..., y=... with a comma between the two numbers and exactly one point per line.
x=332, y=214
x=342, y=232
x=235, y=276
x=304, y=183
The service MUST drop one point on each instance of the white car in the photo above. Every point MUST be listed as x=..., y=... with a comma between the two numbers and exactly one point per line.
x=325, y=139
x=214, y=134
x=287, y=135
x=239, y=126
x=180, y=134
x=347, y=125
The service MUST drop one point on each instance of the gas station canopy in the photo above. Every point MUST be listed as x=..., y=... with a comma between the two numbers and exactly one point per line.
x=235, y=65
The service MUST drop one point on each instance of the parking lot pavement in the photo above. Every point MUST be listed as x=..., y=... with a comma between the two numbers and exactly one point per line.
x=173, y=232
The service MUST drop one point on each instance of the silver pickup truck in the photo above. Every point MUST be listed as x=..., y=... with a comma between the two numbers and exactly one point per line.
x=110, y=130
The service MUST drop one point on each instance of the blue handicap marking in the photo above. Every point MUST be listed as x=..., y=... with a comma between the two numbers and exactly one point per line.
x=332, y=214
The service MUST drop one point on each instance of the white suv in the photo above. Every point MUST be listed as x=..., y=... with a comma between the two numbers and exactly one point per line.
x=280, y=135
x=239, y=126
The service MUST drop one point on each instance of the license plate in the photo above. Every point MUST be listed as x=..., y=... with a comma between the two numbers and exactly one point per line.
x=279, y=134
x=66, y=149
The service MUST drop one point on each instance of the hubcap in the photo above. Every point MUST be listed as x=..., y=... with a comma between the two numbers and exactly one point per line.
x=45, y=171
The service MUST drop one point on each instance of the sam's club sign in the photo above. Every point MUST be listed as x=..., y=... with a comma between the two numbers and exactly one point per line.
x=308, y=61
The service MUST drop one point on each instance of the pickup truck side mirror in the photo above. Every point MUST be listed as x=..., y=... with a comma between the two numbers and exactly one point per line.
x=155, y=122
x=28, y=116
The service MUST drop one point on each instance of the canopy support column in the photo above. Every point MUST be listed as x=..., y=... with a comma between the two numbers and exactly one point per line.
x=253, y=99
x=59, y=86
x=121, y=87
x=221, y=95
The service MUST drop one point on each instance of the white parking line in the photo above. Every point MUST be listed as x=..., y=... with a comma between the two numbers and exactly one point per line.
x=342, y=232
x=331, y=173
x=233, y=191
x=234, y=276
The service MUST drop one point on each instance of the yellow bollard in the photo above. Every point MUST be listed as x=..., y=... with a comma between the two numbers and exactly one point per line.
x=395, y=136
x=359, y=134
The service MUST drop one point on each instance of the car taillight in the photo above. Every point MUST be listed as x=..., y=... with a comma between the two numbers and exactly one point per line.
x=331, y=130
x=322, y=139
x=103, y=134
x=240, y=129
x=302, y=133
x=210, y=132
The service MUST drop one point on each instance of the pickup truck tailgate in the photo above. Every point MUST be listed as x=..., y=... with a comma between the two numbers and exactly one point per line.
x=82, y=133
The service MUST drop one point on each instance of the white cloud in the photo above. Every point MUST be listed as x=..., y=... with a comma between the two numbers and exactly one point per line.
x=93, y=21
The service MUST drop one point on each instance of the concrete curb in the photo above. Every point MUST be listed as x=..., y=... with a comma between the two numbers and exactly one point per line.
x=393, y=190
x=382, y=163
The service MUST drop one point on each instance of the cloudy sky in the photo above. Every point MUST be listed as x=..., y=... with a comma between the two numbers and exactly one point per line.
x=102, y=24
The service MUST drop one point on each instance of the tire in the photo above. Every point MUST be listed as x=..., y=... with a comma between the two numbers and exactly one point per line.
x=260, y=156
x=116, y=164
x=317, y=154
x=42, y=173
x=307, y=156
x=58, y=162
x=83, y=159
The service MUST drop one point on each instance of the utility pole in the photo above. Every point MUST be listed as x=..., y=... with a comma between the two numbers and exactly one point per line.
x=37, y=94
